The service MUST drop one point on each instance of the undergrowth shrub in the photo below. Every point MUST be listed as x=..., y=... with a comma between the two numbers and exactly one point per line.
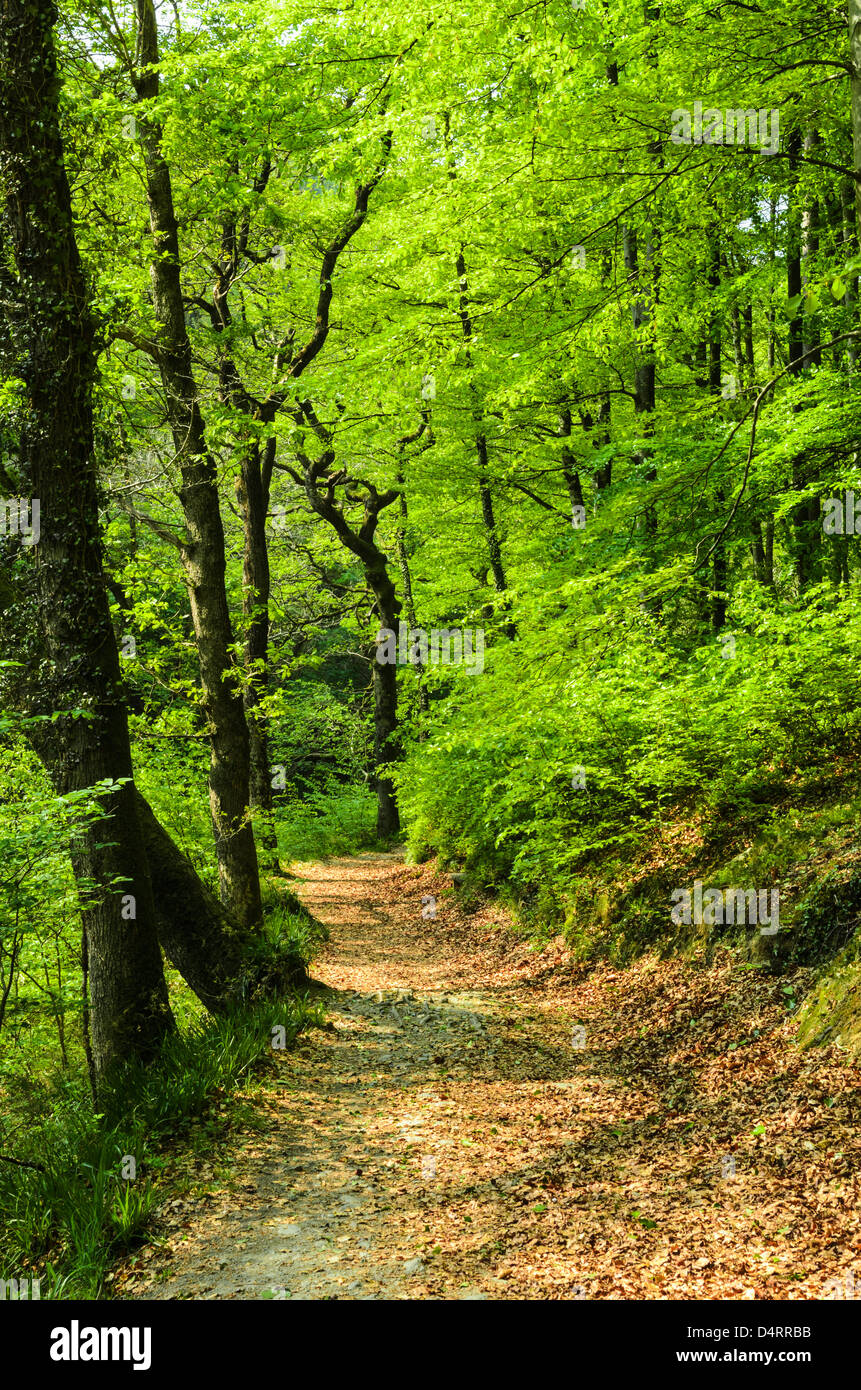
x=547, y=775
x=328, y=823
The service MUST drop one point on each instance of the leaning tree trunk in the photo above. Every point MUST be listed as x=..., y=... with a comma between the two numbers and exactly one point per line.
x=204, y=551
x=129, y=1007
x=208, y=947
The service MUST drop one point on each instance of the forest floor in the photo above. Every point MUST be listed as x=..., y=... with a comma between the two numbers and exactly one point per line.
x=450, y=1134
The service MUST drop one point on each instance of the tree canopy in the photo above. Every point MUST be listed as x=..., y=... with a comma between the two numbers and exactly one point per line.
x=422, y=423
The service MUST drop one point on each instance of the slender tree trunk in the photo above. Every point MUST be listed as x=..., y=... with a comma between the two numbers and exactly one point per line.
x=644, y=372
x=772, y=257
x=604, y=474
x=386, y=752
x=204, y=550
x=569, y=463
x=855, y=102
x=758, y=552
x=800, y=246
x=747, y=314
x=254, y=488
x=129, y=1004
x=494, y=549
x=407, y=582
x=737, y=350
x=488, y=516
x=810, y=226
x=719, y=567
x=848, y=351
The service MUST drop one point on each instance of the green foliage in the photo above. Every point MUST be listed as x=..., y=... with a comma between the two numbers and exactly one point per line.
x=327, y=823
x=278, y=959
x=73, y=1210
x=469, y=270
x=828, y=917
x=656, y=732
x=673, y=685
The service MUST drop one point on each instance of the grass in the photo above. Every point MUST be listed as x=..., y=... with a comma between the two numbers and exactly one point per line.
x=83, y=1186
x=94, y=1178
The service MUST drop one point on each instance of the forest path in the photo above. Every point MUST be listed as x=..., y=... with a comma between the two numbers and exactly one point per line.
x=449, y=1136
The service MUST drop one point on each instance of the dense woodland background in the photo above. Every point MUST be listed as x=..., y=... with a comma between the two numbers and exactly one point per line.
x=318, y=320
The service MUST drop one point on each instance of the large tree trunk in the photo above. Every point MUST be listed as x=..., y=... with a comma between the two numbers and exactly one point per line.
x=129, y=1006
x=204, y=551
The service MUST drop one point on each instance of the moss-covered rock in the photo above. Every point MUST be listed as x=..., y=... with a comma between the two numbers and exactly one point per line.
x=832, y=1012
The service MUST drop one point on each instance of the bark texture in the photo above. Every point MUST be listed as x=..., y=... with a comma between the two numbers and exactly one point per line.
x=129, y=1007
x=203, y=550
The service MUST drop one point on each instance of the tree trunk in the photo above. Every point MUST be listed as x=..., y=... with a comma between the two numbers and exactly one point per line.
x=129, y=1004
x=201, y=940
x=855, y=102
x=644, y=371
x=254, y=487
x=805, y=515
x=491, y=532
x=719, y=567
x=569, y=465
x=203, y=553
x=314, y=477
x=385, y=704
x=849, y=241
x=407, y=581
x=494, y=549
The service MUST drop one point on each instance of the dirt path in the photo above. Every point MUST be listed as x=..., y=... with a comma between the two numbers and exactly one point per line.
x=485, y=1121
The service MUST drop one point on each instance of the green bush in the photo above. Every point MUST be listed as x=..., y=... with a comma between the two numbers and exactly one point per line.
x=341, y=821
x=828, y=917
x=545, y=775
